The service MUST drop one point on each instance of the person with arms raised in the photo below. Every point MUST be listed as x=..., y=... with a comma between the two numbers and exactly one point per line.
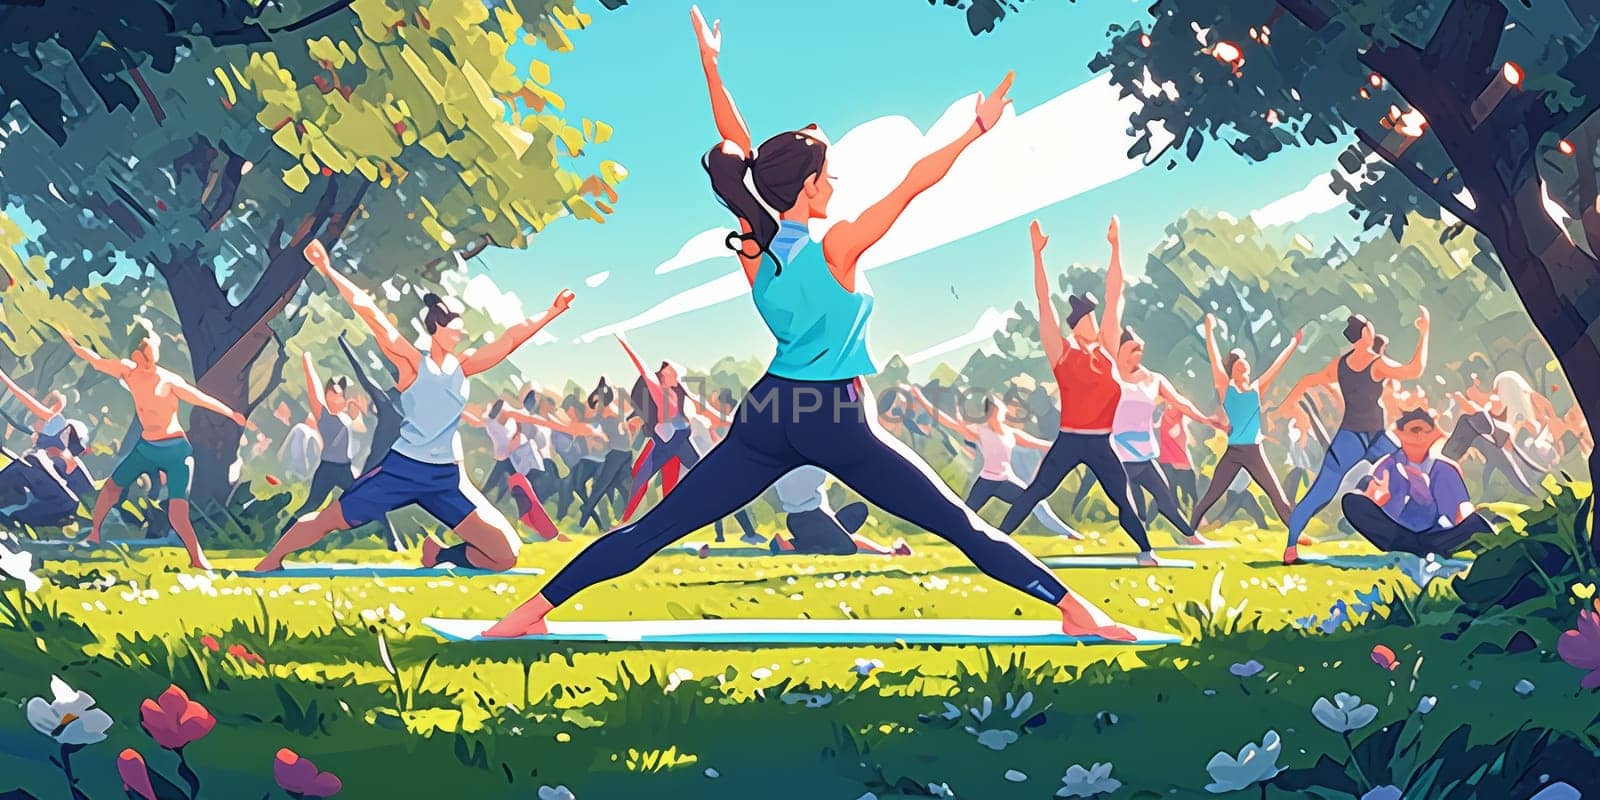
x=813, y=407
x=1090, y=391
x=423, y=467
x=1361, y=375
x=163, y=450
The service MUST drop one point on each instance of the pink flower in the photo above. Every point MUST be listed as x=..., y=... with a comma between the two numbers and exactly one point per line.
x=238, y=651
x=174, y=720
x=135, y=776
x=299, y=777
x=1384, y=657
x=1581, y=647
x=210, y=643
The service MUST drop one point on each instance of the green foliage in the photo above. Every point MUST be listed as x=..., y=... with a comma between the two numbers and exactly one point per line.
x=1531, y=574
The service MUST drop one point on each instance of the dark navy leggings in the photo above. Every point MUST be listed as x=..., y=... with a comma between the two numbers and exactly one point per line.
x=1092, y=450
x=783, y=424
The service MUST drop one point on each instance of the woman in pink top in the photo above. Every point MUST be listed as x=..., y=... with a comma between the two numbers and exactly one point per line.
x=1172, y=441
x=1133, y=435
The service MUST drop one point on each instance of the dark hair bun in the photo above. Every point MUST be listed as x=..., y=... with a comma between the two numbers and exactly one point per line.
x=430, y=299
x=1080, y=306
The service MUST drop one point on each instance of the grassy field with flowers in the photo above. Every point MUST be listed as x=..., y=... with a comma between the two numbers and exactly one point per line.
x=127, y=676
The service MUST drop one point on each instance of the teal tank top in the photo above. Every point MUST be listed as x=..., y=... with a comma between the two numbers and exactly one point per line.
x=1244, y=416
x=821, y=328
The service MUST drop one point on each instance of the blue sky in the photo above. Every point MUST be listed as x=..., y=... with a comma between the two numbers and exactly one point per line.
x=838, y=63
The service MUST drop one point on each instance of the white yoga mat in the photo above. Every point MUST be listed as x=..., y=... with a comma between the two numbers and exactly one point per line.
x=1111, y=562
x=800, y=632
x=331, y=570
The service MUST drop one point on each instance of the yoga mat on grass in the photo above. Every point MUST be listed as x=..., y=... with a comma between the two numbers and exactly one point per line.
x=332, y=570
x=1111, y=562
x=799, y=632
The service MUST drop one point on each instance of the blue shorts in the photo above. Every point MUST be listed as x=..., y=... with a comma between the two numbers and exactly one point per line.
x=441, y=490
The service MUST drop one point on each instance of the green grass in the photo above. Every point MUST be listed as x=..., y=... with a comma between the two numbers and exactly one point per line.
x=502, y=720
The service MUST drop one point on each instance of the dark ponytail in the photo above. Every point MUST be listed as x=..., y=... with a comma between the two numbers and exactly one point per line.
x=438, y=314
x=778, y=171
x=603, y=395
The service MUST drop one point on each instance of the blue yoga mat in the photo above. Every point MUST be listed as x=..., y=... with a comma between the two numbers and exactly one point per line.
x=800, y=632
x=1450, y=566
x=1111, y=562
x=292, y=570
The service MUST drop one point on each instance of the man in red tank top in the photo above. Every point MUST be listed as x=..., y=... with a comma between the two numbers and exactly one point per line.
x=1090, y=391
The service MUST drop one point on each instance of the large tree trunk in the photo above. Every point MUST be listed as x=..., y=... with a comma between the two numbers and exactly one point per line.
x=225, y=339
x=1555, y=280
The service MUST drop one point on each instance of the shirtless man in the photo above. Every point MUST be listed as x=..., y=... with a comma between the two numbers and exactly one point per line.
x=163, y=450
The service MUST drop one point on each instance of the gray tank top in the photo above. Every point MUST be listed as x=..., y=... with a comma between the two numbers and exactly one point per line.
x=616, y=436
x=338, y=447
x=1363, y=396
x=432, y=407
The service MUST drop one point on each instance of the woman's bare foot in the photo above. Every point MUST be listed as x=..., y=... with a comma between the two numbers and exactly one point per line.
x=430, y=550
x=1194, y=541
x=901, y=548
x=1147, y=559
x=1079, y=618
x=518, y=623
x=1291, y=555
x=524, y=620
x=269, y=564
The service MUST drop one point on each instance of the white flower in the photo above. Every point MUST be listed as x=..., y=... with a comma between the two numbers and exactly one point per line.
x=1253, y=765
x=677, y=677
x=1016, y=776
x=994, y=738
x=1080, y=782
x=70, y=718
x=18, y=565
x=1523, y=688
x=866, y=666
x=1346, y=713
x=1426, y=704
x=556, y=793
x=196, y=583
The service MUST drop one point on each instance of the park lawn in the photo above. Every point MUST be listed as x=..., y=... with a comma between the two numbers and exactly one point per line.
x=502, y=720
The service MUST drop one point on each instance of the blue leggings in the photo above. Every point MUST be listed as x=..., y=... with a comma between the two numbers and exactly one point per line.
x=783, y=424
x=1347, y=450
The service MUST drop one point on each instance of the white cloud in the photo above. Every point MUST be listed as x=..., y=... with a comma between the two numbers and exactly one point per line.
x=1317, y=197
x=1069, y=145
x=992, y=321
x=596, y=279
x=703, y=246
x=481, y=292
x=717, y=290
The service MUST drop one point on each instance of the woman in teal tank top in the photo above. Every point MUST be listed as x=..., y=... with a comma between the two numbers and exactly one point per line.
x=1241, y=404
x=812, y=408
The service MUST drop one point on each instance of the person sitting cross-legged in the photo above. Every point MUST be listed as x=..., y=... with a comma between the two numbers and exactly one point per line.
x=1416, y=500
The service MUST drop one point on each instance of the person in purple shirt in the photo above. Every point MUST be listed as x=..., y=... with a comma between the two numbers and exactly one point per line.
x=1416, y=500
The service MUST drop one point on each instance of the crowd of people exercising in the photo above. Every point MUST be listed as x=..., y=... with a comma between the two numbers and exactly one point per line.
x=813, y=419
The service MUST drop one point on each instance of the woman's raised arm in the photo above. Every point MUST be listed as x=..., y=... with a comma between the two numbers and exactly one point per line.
x=394, y=346
x=729, y=124
x=845, y=243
